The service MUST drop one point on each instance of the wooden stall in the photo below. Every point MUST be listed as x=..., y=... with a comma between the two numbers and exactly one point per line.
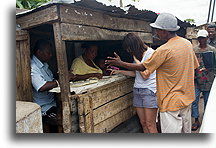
x=98, y=109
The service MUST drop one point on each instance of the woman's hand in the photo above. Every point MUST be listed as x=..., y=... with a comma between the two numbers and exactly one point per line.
x=114, y=60
x=114, y=71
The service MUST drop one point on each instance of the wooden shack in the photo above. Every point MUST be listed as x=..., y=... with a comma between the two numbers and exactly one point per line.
x=98, y=109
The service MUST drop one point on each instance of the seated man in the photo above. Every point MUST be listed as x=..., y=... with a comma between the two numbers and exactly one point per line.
x=42, y=79
x=83, y=66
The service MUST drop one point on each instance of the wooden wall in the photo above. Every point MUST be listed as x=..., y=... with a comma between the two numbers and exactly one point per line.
x=102, y=109
x=23, y=68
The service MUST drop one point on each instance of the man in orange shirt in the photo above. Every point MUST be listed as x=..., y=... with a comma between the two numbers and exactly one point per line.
x=174, y=63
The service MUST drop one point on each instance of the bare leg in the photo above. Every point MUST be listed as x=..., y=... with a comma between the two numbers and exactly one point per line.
x=141, y=115
x=150, y=117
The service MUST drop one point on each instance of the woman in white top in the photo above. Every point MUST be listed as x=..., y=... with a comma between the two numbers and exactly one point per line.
x=144, y=90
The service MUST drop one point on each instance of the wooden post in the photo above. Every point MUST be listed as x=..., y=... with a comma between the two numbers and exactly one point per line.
x=63, y=77
x=23, y=67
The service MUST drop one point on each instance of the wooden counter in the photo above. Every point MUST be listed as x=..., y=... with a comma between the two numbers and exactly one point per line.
x=101, y=106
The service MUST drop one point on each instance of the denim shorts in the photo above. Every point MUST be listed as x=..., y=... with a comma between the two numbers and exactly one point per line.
x=144, y=97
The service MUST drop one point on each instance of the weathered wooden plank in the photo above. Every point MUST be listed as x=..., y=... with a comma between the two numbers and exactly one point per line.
x=63, y=77
x=86, y=116
x=83, y=104
x=26, y=70
x=91, y=118
x=84, y=109
x=23, y=69
x=96, y=105
x=112, y=91
x=80, y=32
x=78, y=15
x=21, y=35
x=39, y=17
x=66, y=117
x=106, y=111
x=82, y=124
x=103, y=94
x=88, y=124
x=19, y=92
x=115, y=120
x=112, y=108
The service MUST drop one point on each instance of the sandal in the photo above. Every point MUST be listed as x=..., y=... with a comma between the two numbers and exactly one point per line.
x=195, y=126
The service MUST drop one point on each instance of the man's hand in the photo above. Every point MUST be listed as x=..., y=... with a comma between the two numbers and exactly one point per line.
x=145, y=74
x=114, y=60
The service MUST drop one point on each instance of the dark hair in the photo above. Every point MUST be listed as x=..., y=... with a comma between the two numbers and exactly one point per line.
x=88, y=45
x=134, y=45
x=98, y=59
x=40, y=45
x=211, y=25
x=172, y=32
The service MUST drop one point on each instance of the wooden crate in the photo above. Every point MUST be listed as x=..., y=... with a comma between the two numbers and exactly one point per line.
x=102, y=109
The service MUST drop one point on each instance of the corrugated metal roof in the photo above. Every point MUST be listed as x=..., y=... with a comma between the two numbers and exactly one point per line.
x=132, y=12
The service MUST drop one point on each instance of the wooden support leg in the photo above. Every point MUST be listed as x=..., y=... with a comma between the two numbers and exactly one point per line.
x=63, y=77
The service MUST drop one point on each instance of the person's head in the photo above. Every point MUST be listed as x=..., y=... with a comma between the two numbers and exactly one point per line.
x=42, y=50
x=165, y=26
x=91, y=50
x=202, y=37
x=211, y=31
x=134, y=45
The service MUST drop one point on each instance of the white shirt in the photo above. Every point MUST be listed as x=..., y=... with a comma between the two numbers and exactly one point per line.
x=40, y=74
x=149, y=83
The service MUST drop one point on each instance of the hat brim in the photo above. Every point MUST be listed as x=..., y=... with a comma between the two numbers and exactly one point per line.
x=202, y=36
x=167, y=29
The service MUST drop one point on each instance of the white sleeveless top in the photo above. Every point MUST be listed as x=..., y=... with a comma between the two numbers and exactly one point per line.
x=149, y=83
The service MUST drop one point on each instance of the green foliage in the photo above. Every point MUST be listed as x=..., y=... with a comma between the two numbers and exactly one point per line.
x=29, y=4
x=191, y=21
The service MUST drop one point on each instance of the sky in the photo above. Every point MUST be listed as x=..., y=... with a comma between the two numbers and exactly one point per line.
x=183, y=9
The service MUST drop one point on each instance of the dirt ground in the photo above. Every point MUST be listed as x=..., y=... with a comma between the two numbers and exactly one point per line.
x=133, y=126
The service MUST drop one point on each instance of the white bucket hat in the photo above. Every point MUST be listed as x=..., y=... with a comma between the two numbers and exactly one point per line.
x=202, y=33
x=165, y=21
